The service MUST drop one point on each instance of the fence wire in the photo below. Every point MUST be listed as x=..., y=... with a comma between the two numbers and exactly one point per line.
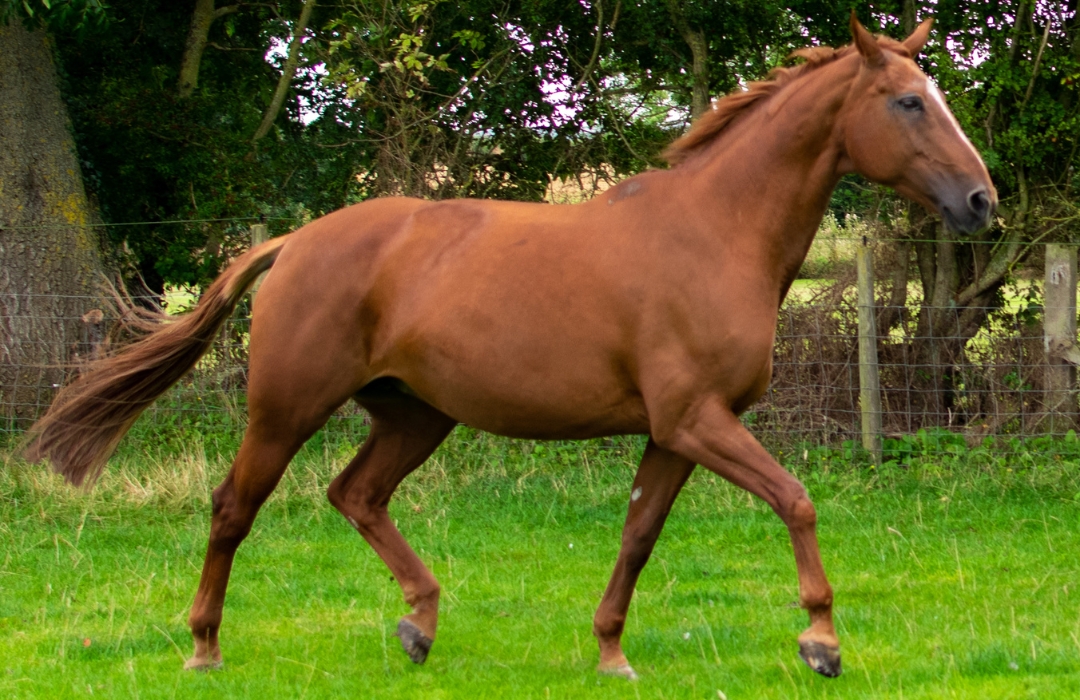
x=986, y=386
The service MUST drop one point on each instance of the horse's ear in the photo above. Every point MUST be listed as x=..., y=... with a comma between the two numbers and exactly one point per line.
x=917, y=40
x=865, y=42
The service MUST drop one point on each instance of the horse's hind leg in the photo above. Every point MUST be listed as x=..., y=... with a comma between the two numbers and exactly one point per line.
x=258, y=467
x=660, y=477
x=404, y=433
x=285, y=408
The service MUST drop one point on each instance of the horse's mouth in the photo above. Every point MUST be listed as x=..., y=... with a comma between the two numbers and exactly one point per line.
x=968, y=224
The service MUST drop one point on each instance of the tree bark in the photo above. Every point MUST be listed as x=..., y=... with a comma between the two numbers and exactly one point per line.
x=201, y=19
x=908, y=17
x=50, y=262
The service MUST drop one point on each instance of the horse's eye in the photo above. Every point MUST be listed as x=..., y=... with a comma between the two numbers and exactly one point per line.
x=911, y=103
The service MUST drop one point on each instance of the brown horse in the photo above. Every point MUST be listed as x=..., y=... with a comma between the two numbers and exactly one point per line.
x=648, y=310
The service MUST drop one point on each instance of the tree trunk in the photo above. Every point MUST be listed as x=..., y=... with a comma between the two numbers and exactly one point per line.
x=50, y=263
x=198, y=34
x=895, y=310
x=699, y=67
x=907, y=17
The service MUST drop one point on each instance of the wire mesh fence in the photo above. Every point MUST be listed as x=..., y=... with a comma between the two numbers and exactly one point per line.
x=984, y=388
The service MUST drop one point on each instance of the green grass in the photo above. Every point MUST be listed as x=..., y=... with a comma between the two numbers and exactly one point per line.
x=955, y=574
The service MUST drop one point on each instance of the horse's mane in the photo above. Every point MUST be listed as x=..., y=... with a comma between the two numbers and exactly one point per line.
x=710, y=125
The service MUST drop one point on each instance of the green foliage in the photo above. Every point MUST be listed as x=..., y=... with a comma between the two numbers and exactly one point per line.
x=745, y=40
x=71, y=15
x=150, y=155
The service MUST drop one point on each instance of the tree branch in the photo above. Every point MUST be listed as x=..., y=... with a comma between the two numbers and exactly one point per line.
x=1006, y=253
x=227, y=10
x=1035, y=68
x=201, y=19
x=591, y=65
x=288, y=71
x=699, y=52
x=219, y=47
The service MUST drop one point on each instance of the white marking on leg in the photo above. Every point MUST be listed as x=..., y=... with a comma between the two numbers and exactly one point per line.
x=635, y=494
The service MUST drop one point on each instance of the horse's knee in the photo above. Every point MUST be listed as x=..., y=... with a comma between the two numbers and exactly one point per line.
x=797, y=510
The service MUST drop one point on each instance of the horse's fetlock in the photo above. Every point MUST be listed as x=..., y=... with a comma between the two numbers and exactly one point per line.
x=611, y=626
x=423, y=597
x=817, y=599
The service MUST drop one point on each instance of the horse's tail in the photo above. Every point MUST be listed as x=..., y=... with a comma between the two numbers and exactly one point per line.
x=89, y=416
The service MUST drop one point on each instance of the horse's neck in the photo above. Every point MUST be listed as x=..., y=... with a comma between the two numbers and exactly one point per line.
x=777, y=170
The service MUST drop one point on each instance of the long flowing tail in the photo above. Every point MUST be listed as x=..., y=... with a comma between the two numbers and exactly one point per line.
x=89, y=416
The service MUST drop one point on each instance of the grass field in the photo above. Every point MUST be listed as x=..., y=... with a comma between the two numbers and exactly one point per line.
x=956, y=575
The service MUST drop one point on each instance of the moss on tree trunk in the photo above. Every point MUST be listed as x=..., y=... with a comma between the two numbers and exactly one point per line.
x=50, y=262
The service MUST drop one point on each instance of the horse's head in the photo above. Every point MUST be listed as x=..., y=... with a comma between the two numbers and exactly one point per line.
x=898, y=131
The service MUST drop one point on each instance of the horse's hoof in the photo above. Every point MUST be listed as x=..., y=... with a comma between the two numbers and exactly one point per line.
x=205, y=665
x=825, y=660
x=415, y=643
x=622, y=671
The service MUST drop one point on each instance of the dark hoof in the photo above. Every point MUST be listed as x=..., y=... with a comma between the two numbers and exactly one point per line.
x=413, y=641
x=821, y=658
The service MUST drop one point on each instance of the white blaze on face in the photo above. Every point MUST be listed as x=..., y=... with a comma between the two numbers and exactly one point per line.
x=937, y=98
x=635, y=494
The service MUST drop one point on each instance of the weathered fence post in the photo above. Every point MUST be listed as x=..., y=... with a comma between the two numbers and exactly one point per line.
x=869, y=379
x=259, y=234
x=1059, y=337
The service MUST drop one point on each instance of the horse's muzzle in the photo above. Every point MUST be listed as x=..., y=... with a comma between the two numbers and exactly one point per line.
x=970, y=213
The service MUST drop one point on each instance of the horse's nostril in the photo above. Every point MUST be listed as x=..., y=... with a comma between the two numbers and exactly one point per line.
x=979, y=201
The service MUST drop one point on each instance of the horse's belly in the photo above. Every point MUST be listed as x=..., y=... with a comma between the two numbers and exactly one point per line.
x=551, y=406
x=540, y=423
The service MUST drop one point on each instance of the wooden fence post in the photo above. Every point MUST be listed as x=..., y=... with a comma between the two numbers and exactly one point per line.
x=259, y=234
x=1059, y=337
x=869, y=377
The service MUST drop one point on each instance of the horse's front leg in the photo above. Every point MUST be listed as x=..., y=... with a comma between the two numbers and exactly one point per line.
x=712, y=436
x=660, y=477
